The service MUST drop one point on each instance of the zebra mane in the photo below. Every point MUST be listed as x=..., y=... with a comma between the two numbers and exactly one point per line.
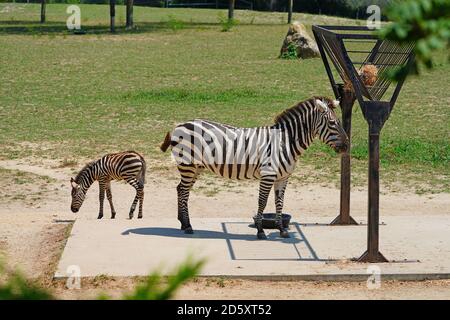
x=82, y=171
x=283, y=115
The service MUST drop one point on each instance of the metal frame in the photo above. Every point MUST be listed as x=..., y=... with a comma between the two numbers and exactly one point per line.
x=385, y=55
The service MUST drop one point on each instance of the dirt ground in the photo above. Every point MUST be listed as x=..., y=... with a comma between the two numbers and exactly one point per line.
x=33, y=230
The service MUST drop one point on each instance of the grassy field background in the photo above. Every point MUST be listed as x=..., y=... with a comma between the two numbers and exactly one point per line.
x=75, y=97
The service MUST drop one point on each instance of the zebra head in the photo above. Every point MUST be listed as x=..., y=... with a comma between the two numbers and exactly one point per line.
x=328, y=127
x=78, y=195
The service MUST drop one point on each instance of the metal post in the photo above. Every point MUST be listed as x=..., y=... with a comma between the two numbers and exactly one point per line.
x=129, y=14
x=112, y=14
x=231, y=9
x=347, y=99
x=43, y=3
x=373, y=254
x=290, y=5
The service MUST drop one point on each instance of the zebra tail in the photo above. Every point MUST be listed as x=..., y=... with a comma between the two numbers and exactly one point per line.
x=166, y=143
x=141, y=176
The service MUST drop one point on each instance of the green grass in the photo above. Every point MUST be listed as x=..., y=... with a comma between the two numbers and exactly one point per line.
x=85, y=95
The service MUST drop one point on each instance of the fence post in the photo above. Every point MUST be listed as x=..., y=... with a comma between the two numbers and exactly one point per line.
x=112, y=14
x=129, y=22
x=43, y=11
x=231, y=9
x=290, y=5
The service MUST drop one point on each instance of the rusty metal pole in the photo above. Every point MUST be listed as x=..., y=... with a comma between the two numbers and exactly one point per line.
x=347, y=100
x=373, y=253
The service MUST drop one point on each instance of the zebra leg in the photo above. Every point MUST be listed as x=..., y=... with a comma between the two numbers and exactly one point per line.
x=280, y=187
x=101, y=197
x=188, y=177
x=264, y=190
x=139, y=193
x=141, y=201
x=109, y=197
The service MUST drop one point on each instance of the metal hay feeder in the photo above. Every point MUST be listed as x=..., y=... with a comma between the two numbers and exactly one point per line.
x=347, y=47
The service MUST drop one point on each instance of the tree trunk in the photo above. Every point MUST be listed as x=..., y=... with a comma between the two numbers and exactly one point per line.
x=231, y=9
x=129, y=23
x=112, y=14
x=290, y=5
x=43, y=11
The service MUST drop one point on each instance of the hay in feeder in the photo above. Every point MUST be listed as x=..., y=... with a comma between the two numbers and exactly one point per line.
x=368, y=74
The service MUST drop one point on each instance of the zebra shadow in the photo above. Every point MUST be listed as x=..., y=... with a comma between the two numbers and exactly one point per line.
x=297, y=239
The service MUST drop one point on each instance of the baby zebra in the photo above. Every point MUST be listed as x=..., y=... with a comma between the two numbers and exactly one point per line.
x=129, y=166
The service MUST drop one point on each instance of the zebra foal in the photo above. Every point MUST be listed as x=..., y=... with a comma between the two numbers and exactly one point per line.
x=129, y=166
x=265, y=153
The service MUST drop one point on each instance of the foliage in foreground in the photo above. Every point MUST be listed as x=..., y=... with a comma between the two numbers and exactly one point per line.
x=154, y=288
x=426, y=22
x=14, y=285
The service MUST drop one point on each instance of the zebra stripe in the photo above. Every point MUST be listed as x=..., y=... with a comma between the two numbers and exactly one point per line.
x=266, y=153
x=129, y=166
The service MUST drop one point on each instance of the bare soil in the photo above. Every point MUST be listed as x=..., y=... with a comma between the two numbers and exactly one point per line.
x=33, y=232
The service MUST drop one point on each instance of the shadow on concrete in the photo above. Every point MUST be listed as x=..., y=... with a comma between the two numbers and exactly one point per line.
x=203, y=234
x=297, y=237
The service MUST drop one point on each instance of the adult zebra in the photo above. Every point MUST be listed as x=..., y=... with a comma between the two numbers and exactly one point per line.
x=265, y=153
x=129, y=166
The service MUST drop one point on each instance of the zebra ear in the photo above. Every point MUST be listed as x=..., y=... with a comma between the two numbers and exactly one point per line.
x=321, y=105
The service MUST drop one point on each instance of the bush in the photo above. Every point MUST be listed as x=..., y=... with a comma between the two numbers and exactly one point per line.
x=14, y=286
x=426, y=22
x=227, y=24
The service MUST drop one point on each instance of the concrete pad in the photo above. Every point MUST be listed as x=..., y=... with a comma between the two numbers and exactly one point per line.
x=315, y=251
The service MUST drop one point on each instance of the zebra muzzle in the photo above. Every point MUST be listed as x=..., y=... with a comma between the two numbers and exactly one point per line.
x=341, y=147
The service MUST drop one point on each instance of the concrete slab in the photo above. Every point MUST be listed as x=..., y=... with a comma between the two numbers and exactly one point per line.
x=315, y=250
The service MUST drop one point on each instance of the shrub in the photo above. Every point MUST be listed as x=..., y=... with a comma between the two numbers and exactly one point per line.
x=425, y=21
x=227, y=24
x=291, y=53
x=14, y=286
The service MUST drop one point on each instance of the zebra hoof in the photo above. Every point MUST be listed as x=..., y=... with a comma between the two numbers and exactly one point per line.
x=139, y=217
x=284, y=234
x=100, y=216
x=188, y=230
x=261, y=235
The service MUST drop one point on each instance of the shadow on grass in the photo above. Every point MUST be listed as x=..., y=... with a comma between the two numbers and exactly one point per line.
x=54, y=27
